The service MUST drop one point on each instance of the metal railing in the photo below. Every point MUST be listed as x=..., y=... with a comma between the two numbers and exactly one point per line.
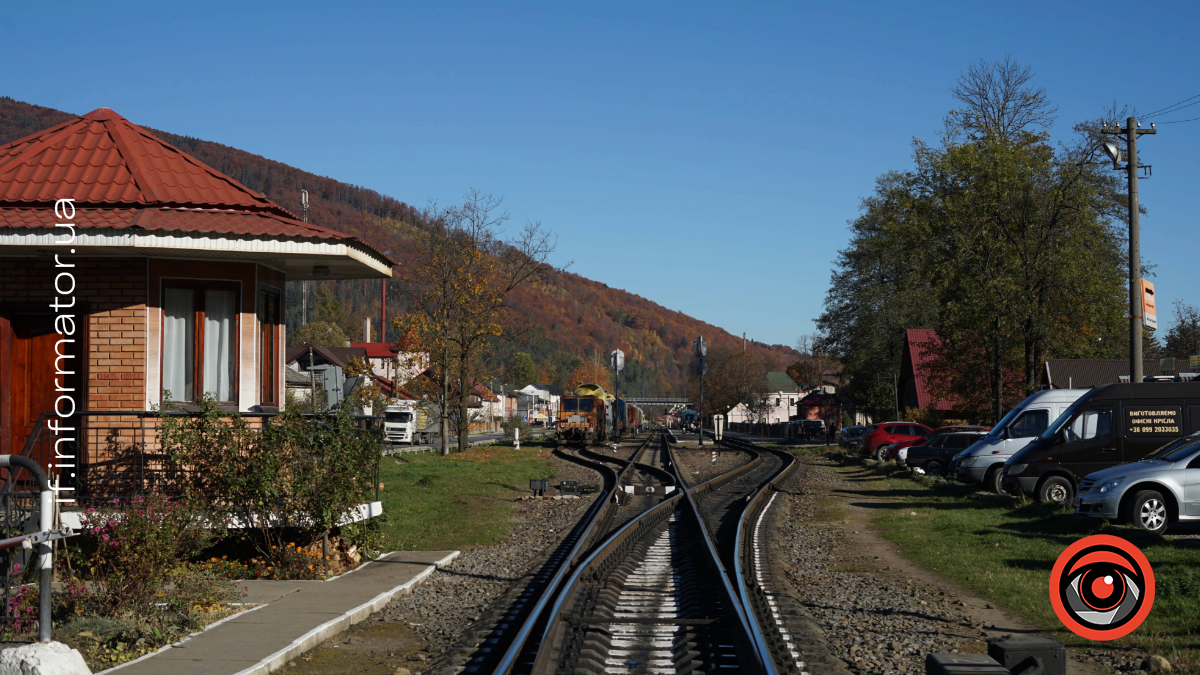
x=28, y=519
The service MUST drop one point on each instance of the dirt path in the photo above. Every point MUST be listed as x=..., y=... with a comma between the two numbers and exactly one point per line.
x=880, y=612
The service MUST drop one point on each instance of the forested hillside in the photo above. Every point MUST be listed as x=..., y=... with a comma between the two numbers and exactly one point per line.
x=561, y=322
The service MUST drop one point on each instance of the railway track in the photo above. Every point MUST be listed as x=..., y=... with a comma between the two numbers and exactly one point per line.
x=653, y=579
x=508, y=620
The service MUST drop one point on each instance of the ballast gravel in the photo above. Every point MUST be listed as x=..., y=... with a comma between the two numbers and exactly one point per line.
x=697, y=464
x=444, y=605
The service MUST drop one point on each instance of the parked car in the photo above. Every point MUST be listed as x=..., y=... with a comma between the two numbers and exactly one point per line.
x=852, y=436
x=981, y=463
x=1149, y=494
x=809, y=429
x=887, y=433
x=1109, y=425
x=934, y=457
x=895, y=448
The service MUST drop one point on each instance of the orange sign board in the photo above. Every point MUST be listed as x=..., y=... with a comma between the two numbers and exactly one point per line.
x=1149, y=310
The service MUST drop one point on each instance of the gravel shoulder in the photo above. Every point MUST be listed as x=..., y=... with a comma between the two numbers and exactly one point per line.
x=416, y=628
x=879, y=612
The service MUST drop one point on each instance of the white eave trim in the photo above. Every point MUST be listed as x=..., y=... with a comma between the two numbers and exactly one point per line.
x=141, y=242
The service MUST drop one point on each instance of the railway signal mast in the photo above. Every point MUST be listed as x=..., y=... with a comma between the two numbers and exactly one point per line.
x=616, y=361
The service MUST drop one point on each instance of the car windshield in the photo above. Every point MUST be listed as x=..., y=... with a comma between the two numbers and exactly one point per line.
x=1006, y=420
x=393, y=416
x=585, y=405
x=1176, y=450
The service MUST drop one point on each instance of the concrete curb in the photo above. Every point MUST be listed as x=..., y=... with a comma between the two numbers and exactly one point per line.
x=333, y=627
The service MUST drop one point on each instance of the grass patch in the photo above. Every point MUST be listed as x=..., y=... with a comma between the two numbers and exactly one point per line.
x=433, y=502
x=1003, y=551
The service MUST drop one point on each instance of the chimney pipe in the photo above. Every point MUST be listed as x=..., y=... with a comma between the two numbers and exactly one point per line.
x=367, y=329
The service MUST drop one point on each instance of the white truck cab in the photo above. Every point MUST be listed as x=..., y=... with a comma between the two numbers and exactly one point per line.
x=399, y=423
x=981, y=463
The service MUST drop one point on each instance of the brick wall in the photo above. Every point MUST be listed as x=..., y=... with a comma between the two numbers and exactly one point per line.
x=114, y=290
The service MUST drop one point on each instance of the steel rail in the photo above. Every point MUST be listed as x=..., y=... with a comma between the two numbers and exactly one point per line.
x=750, y=627
x=549, y=653
x=508, y=660
x=752, y=507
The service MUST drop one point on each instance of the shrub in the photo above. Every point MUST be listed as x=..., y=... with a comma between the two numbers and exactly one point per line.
x=299, y=473
x=514, y=422
x=137, y=564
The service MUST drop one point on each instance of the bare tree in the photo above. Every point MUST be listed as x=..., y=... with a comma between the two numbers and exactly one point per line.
x=998, y=100
x=458, y=290
x=809, y=371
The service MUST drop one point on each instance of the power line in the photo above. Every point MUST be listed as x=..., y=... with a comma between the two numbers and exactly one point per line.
x=1161, y=111
x=1178, y=121
x=1176, y=109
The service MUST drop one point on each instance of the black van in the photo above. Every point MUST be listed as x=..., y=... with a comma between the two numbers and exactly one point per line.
x=1111, y=424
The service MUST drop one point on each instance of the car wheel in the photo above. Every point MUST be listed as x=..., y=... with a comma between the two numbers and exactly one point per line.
x=1056, y=489
x=1150, y=511
x=992, y=481
x=934, y=468
x=881, y=453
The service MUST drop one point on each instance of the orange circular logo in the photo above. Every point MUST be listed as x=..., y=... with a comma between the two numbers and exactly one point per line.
x=1102, y=587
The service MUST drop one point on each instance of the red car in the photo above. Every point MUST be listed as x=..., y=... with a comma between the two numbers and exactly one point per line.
x=896, y=447
x=890, y=433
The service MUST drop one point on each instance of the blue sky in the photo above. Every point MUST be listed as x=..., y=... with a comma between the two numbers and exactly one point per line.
x=704, y=155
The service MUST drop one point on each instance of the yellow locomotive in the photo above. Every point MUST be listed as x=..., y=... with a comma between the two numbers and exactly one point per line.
x=587, y=416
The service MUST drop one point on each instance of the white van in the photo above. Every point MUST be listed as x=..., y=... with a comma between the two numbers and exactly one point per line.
x=981, y=463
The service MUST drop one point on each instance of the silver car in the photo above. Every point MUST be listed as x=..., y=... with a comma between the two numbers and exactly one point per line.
x=1150, y=494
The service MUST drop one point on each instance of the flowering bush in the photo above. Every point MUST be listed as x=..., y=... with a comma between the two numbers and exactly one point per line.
x=287, y=562
x=137, y=565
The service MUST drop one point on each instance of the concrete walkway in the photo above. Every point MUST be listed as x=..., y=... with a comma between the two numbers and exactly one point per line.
x=297, y=616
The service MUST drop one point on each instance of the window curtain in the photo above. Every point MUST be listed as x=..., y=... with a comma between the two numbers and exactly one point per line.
x=179, y=331
x=218, y=344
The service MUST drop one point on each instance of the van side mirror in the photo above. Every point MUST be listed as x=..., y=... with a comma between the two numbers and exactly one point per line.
x=1005, y=433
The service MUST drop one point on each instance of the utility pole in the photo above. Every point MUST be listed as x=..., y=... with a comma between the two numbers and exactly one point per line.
x=304, y=284
x=1131, y=132
x=383, y=309
x=700, y=349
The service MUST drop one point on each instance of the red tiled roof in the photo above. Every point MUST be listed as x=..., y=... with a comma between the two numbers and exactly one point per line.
x=377, y=350
x=123, y=177
x=921, y=345
x=103, y=158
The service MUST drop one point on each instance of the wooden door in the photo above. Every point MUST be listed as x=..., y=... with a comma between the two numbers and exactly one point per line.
x=27, y=381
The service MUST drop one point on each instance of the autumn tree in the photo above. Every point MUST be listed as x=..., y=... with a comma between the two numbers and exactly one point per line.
x=591, y=371
x=733, y=377
x=456, y=292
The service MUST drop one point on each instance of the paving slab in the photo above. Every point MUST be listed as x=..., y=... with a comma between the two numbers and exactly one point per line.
x=296, y=616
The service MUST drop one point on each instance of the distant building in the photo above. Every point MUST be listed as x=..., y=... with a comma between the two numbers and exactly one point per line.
x=389, y=363
x=783, y=396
